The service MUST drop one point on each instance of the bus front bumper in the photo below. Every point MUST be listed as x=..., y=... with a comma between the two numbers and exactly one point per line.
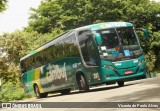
x=125, y=77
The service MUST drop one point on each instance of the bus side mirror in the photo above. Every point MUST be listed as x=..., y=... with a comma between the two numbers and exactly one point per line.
x=146, y=32
x=98, y=38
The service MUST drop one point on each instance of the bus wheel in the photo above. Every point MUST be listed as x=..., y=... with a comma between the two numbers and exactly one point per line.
x=82, y=84
x=65, y=91
x=38, y=94
x=120, y=83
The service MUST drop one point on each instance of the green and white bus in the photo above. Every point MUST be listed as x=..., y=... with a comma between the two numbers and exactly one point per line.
x=95, y=54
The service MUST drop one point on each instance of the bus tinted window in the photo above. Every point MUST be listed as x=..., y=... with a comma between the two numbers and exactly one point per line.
x=70, y=47
x=61, y=48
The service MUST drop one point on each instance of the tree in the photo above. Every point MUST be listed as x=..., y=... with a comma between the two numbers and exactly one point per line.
x=46, y=18
x=16, y=45
x=68, y=14
x=3, y=4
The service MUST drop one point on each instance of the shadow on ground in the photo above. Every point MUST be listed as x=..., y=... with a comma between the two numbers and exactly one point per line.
x=143, y=95
x=98, y=89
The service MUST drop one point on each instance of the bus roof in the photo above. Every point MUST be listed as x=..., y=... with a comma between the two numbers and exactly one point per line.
x=92, y=27
x=106, y=25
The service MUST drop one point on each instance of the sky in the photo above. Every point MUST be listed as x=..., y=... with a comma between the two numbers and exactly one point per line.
x=17, y=14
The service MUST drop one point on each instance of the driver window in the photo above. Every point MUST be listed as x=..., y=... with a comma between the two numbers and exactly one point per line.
x=87, y=48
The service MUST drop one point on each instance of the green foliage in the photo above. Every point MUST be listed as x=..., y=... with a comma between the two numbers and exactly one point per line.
x=150, y=58
x=155, y=45
x=12, y=92
x=16, y=45
x=46, y=17
x=68, y=14
x=3, y=4
x=8, y=71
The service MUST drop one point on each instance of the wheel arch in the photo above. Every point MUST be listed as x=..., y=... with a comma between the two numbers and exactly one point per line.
x=81, y=80
x=39, y=87
x=81, y=72
x=34, y=85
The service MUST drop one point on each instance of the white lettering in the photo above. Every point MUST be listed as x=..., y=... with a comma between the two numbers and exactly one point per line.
x=153, y=105
x=56, y=72
x=124, y=106
x=34, y=106
x=19, y=105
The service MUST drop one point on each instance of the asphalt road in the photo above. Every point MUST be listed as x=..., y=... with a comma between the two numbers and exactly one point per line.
x=146, y=90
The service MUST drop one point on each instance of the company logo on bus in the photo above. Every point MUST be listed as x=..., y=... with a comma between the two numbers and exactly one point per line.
x=56, y=72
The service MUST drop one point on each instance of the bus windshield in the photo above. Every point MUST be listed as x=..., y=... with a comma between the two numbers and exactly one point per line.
x=119, y=44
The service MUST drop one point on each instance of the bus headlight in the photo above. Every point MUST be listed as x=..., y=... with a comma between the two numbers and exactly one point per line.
x=140, y=63
x=109, y=67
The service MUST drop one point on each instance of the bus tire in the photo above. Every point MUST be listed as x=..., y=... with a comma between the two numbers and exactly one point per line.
x=120, y=83
x=65, y=91
x=38, y=94
x=82, y=84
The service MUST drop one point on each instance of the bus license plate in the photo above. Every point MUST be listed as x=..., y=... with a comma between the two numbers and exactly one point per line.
x=128, y=72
